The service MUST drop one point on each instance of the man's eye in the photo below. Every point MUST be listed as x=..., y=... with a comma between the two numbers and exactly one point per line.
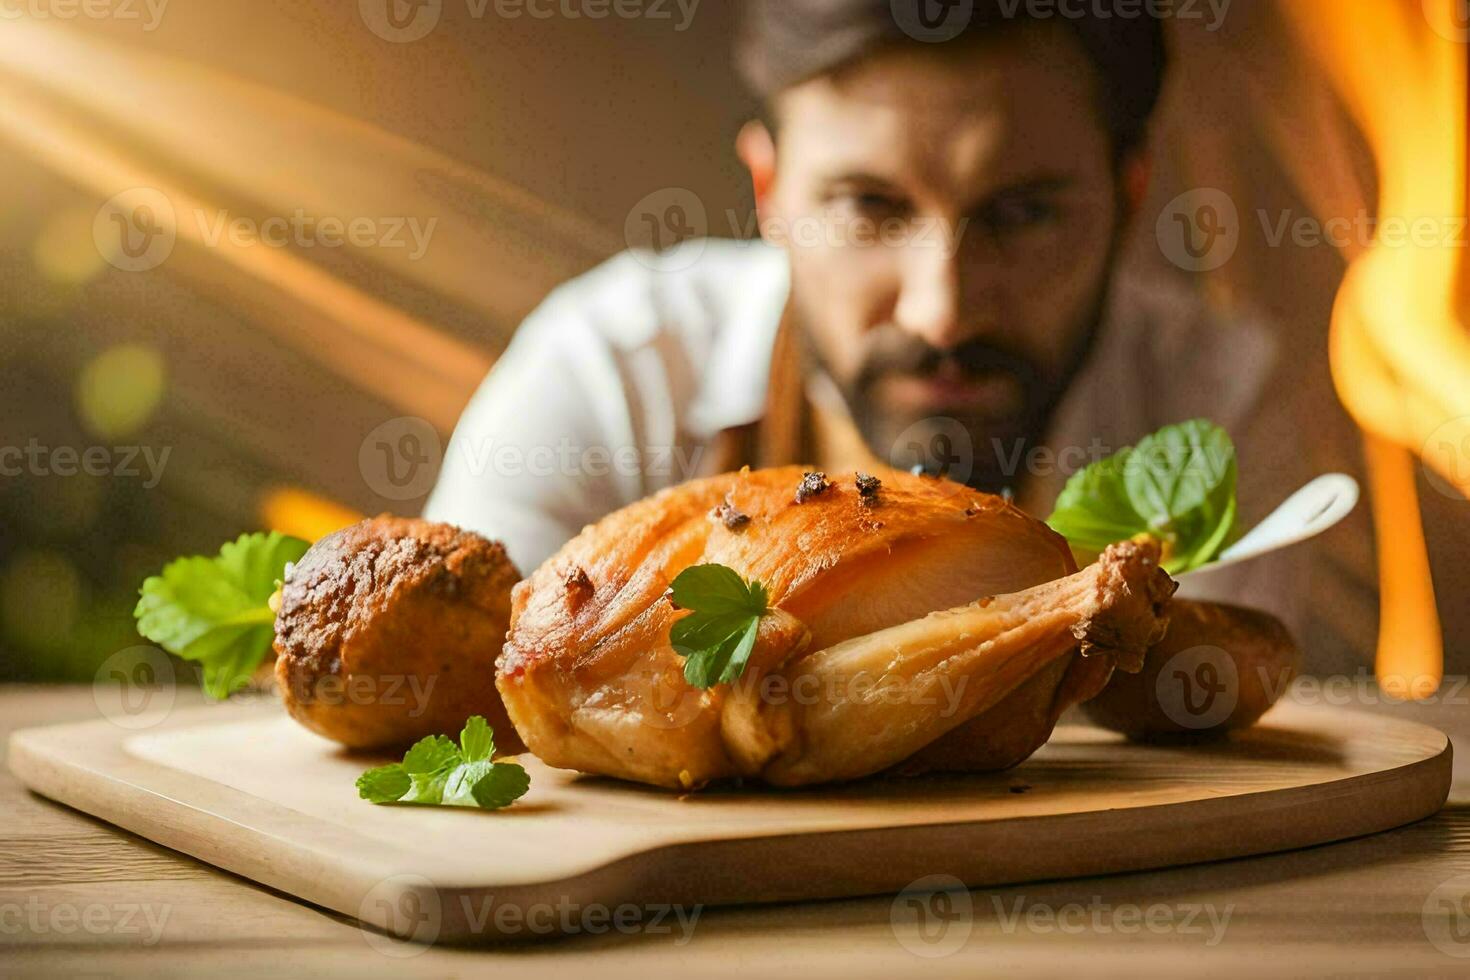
x=1016, y=213
x=875, y=204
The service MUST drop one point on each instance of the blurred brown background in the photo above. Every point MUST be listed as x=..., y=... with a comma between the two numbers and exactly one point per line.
x=526, y=142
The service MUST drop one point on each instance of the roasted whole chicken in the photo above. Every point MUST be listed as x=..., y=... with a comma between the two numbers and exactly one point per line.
x=914, y=625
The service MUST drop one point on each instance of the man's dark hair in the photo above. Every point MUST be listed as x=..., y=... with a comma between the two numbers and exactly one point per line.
x=783, y=42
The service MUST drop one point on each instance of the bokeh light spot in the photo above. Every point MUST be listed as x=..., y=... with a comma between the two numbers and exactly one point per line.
x=120, y=389
x=40, y=599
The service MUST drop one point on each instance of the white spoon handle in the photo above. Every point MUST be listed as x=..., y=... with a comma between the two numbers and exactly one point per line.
x=1305, y=514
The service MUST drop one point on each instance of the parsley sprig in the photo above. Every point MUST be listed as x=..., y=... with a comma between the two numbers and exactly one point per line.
x=716, y=638
x=436, y=772
x=216, y=610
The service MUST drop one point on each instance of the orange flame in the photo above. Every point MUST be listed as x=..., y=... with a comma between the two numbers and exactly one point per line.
x=1400, y=350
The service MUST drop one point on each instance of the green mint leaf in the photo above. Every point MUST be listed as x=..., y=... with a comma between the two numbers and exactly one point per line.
x=1093, y=510
x=1178, y=485
x=436, y=772
x=385, y=784
x=215, y=611
x=1171, y=474
x=1218, y=512
x=505, y=783
x=477, y=741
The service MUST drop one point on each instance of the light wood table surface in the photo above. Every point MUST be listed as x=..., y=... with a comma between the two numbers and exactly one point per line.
x=79, y=897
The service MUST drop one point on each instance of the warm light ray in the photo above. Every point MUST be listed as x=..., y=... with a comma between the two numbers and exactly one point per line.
x=373, y=343
x=254, y=145
x=110, y=116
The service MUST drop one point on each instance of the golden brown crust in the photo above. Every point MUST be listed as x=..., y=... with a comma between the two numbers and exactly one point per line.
x=388, y=630
x=587, y=670
x=1137, y=594
x=811, y=556
x=1009, y=733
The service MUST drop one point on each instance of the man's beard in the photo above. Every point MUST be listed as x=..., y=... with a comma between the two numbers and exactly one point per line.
x=984, y=451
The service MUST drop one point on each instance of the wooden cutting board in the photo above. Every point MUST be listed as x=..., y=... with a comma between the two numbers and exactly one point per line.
x=244, y=788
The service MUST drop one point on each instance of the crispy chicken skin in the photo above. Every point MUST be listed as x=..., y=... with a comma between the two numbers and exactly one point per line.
x=924, y=626
x=388, y=631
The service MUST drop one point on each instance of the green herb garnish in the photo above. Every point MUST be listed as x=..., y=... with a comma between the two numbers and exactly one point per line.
x=216, y=611
x=436, y=772
x=1177, y=485
x=717, y=636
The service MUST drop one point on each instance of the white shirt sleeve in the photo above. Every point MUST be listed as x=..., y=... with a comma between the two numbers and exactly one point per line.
x=532, y=459
x=612, y=390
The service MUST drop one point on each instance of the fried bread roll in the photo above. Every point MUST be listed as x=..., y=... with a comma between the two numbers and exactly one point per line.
x=388, y=631
x=1220, y=668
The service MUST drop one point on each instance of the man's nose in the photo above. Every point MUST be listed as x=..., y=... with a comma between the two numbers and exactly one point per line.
x=930, y=302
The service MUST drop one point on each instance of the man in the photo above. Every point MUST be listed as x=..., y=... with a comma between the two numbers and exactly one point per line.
x=938, y=287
